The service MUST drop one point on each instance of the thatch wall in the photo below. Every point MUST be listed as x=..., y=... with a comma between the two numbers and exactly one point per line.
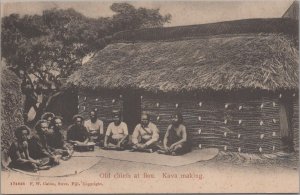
x=212, y=123
x=231, y=122
x=296, y=121
x=11, y=106
x=104, y=102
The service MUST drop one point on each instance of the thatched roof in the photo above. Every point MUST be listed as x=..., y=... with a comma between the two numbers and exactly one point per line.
x=266, y=61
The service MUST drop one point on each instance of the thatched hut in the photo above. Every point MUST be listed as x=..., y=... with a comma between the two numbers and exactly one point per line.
x=11, y=106
x=236, y=82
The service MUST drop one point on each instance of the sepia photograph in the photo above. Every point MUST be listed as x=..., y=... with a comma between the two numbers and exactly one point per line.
x=110, y=97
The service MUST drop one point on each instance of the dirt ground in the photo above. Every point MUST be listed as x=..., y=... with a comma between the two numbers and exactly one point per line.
x=227, y=172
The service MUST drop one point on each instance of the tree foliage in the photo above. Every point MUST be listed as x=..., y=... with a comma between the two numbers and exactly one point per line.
x=53, y=45
x=128, y=17
x=58, y=40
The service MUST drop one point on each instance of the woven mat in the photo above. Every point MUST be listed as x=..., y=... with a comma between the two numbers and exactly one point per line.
x=153, y=158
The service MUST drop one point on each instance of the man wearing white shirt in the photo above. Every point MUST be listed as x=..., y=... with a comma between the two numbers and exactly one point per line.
x=145, y=136
x=95, y=128
x=116, y=133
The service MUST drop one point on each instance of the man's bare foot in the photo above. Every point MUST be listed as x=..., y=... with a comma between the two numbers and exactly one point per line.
x=47, y=167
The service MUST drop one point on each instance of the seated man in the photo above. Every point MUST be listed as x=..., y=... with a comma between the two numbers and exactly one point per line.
x=19, y=155
x=176, y=138
x=116, y=133
x=56, y=140
x=78, y=135
x=38, y=146
x=145, y=135
x=95, y=128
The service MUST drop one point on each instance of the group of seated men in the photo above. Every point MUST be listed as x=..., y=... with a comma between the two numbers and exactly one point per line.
x=47, y=145
x=145, y=137
x=41, y=149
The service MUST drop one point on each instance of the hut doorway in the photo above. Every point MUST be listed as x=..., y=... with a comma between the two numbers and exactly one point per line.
x=131, y=110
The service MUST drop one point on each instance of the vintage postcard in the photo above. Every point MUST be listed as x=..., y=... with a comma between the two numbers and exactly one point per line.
x=149, y=97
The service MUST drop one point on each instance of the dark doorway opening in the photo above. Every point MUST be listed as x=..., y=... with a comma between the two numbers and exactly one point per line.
x=131, y=109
